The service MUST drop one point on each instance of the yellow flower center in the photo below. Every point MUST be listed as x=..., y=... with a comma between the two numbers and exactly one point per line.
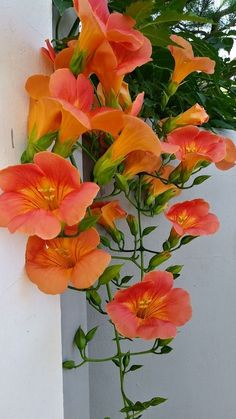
x=47, y=193
x=142, y=307
x=191, y=148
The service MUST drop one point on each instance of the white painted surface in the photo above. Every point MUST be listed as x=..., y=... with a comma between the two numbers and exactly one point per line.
x=30, y=335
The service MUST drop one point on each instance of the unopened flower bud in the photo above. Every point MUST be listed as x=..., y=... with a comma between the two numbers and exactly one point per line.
x=133, y=224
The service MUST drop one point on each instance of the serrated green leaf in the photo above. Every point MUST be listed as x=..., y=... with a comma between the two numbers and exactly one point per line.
x=175, y=16
x=159, y=37
x=140, y=10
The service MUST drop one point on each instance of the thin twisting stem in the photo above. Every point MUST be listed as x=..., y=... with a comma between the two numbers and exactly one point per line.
x=140, y=228
x=119, y=356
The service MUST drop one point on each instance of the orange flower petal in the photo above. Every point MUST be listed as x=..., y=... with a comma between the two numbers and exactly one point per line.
x=89, y=268
x=136, y=135
x=73, y=207
x=50, y=278
x=37, y=86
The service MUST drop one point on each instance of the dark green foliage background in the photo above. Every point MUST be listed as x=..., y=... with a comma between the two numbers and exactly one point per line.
x=211, y=30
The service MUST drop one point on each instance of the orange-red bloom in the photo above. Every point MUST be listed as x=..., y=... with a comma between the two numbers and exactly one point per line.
x=108, y=213
x=196, y=145
x=196, y=115
x=193, y=217
x=75, y=97
x=135, y=136
x=39, y=197
x=53, y=264
x=185, y=62
x=229, y=160
x=108, y=44
x=150, y=309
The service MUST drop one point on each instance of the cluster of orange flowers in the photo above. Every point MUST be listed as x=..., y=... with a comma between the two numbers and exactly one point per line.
x=45, y=198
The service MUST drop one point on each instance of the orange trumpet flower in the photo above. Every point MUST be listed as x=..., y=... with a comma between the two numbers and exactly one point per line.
x=196, y=115
x=54, y=264
x=185, y=62
x=150, y=309
x=108, y=44
x=108, y=213
x=195, y=146
x=44, y=120
x=39, y=198
x=229, y=160
x=75, y=97
x=193, y=217
x=135, y=136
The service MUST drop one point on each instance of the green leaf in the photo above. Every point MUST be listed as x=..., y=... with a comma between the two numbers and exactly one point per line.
x=148, y=230
x=88, y=222
x=68, y=365
x=187, y=239
x=166, y=349
x=175, y=269
x=116, y=362
x=62, y=5
x=155, y=401
x=90, y=335
x=94, y=297
x=159, y=37
x=110, y=273
x=105, y=241
x=126, y=279
x=140, y=10
x=200, y=179
x=175, y=16
x=135, y=367
x=80, y=339
x=140, y=406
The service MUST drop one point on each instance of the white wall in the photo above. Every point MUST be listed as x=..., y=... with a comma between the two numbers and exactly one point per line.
x=30, y=336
